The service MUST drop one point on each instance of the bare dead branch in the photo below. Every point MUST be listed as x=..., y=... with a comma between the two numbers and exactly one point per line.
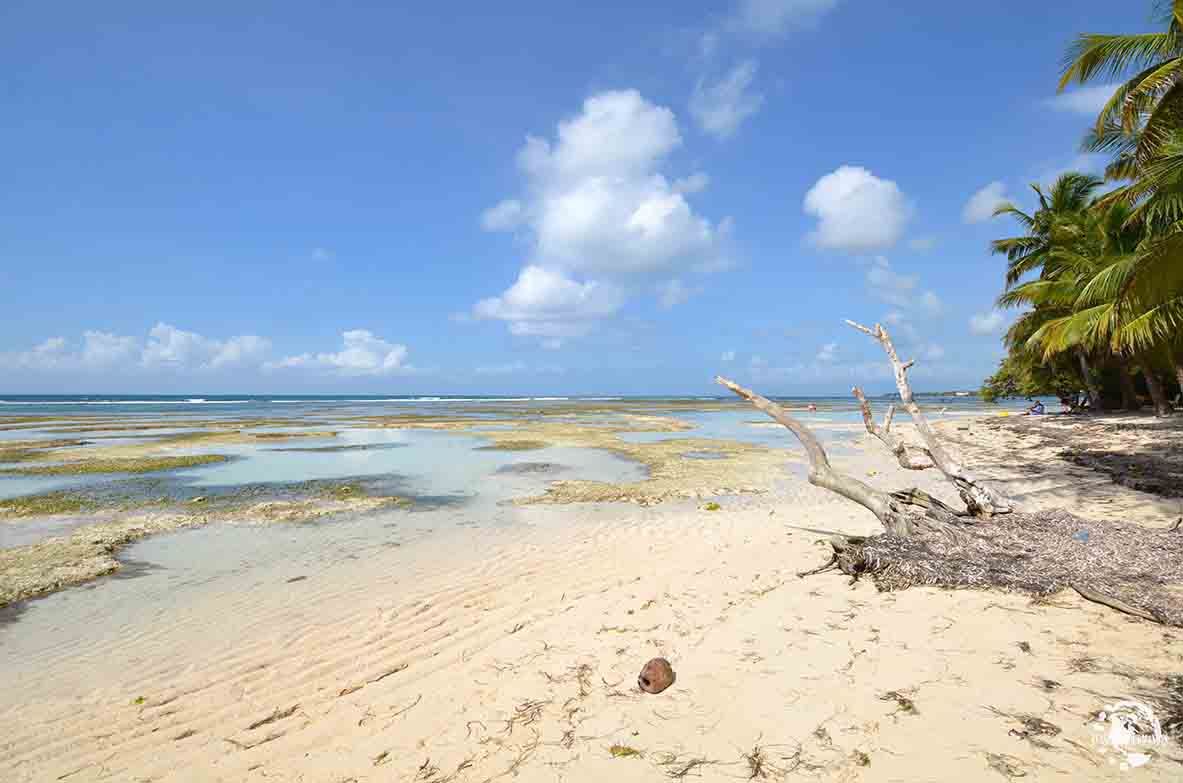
x=894, y=514
x=821, y=474
x=980, y=499
x=894, y=443
x=918, y=497
x=1113, y=603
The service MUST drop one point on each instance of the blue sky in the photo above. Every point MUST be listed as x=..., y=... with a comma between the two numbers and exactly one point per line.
x=518, y=197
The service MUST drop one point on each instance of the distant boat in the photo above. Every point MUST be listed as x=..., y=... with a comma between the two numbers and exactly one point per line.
x=961, y=394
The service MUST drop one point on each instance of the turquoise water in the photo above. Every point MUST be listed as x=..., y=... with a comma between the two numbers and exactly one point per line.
x=277, y=406
x=428, y=463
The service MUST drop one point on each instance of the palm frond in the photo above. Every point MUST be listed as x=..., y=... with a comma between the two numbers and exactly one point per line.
x=1151, y=328
x=1093, y=56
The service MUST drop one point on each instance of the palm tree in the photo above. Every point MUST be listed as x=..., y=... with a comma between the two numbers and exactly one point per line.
x=1144, y=111
x=1088, y=251
x=1070, y=195
x=1142, y=127
x=1066, y=202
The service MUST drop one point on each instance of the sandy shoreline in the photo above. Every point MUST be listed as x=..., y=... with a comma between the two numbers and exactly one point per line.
x=512, y=652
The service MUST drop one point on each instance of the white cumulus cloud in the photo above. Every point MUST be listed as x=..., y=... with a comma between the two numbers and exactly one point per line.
x=546, y=303
x=932, y=352
x=503, y=216
x=774, y=18
x=243, y=349
x=104, y=349
x=931, y=303
x=363, y=353
x=889, y=285
x=981, y=204
x=720, y=107
x=601, y=217
x=672, y=293
x=169, y=346
x=857, y=211
x=1087, y=101
x=986, y=323
x=49, y=354
x=902, y=291
x=695, y=183
x=165, y=348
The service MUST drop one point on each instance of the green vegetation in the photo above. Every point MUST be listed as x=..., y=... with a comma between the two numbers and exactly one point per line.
x=514, y=445
x=343, y=492
x=27, y=450
x=49, y=503
x=117, y=465
x=1100, y=275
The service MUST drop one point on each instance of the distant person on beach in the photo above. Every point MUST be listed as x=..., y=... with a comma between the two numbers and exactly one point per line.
x=812, y=408
x=1035, y=410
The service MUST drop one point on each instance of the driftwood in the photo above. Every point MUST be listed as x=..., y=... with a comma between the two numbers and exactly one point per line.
x=980, y=499
x=1125, y=567
x=894, y=443
x=895, y=512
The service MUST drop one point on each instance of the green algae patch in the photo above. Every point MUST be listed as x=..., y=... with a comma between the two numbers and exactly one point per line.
x=45, y=505
x=31, y=450
x=624, y=752
x=20, y=455
x=118, y=465
x=308, y=509
x=292, y=435
x=514, y=445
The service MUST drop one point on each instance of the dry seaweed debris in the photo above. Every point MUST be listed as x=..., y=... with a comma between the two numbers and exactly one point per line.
x=679, y=767
x=1039, y=554
x=761, y=765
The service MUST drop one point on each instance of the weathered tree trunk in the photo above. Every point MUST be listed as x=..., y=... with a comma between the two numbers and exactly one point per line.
x=891, y=509
x=1129, y=394
x=980, y=499
x=1157, y=393
x=1179, y=373
x=1095, y=401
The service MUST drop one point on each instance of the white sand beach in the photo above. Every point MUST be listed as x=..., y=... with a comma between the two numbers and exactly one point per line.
x=512, y=653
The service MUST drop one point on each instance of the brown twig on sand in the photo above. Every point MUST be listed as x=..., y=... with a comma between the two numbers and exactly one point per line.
x=379, y=678
x=278, y=714
x=903, y=702
x=248, y=745
x=678, y=768
x=761, y=767
x=526, y=713
x=524, y=753
x=1112, y=603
